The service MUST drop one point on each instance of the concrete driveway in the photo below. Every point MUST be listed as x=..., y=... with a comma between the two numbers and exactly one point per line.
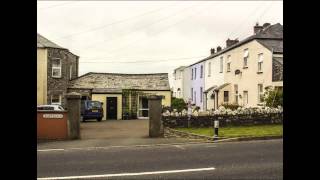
x=111, y=133
x=114, y=129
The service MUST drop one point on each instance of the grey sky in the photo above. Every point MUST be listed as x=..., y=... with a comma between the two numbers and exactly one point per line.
x=162, y=35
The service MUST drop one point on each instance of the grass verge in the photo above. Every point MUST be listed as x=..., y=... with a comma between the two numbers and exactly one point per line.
x=240, y=131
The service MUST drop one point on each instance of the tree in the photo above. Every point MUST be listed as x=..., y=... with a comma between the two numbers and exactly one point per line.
x=178, y=103
x=273, y=97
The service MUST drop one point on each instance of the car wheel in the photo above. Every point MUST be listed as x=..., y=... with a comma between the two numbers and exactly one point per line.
x=99, y=119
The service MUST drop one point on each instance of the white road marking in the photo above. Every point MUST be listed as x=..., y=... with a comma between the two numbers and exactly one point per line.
x=129, y=174
x=179, y=147
x=129, y=146
x=44, y=150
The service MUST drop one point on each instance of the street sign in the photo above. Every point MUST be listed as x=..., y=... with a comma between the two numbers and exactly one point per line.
x=53, y=116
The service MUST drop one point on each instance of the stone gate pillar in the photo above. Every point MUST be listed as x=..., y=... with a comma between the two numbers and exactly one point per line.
x=155, y=122
x=73, y=107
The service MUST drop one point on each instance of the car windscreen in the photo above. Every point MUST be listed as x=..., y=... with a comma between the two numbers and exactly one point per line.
x=94, y=105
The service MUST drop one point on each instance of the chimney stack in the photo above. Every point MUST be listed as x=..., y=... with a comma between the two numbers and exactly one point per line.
x=265, y=25
x=212, y=50
x=230, y=42
x=257, y=28
x=218, y=48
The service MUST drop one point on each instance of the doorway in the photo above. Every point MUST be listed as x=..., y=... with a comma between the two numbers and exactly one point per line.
x=111, y=108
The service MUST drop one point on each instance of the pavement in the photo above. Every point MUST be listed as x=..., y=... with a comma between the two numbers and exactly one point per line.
x=225, y=160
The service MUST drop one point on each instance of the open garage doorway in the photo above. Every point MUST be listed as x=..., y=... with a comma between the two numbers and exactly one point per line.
x=111, y=107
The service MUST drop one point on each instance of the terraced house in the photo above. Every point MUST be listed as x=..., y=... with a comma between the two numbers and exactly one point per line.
x=124, y=96
x=241, y=72
x=56, y=66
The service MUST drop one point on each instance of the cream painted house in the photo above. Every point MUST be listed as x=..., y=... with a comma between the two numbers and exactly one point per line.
x=248, y=67
x=239, y=73
x=124, y=96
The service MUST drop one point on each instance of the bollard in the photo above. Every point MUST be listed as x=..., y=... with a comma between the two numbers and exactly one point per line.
x=216, y=130
x=155, y=121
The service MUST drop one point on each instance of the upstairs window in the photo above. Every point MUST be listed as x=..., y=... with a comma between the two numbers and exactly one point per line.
x=56, y=68
x=245, y=58
x=70, y=74
x=201, y=71
x=195, y=73
x=229, y=63
x=260, y=61
x=209, y=69
x=221, y=64
x=192, y=74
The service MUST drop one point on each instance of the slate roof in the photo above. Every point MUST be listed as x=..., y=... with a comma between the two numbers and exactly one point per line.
x=275, y=45
x=278, y=59
x=269, y=37
x=114, y=82
x=43, y=42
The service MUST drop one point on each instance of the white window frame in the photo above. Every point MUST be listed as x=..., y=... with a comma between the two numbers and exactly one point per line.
x=260, y=93
x=229, y=63
x=236, y=94
x=56, y=103
x=201, y=92
x=245, y=58
x=228, y=97
x=209, y=69
x=56, y=68
x=192, y=94
x=221, y=64
x=245, y=100
x=191, y=73
x=260, y=62
x=70, y=72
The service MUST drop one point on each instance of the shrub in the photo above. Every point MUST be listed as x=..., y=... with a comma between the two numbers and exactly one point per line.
x=178, y=103
x=273, y=97
x=231, y=106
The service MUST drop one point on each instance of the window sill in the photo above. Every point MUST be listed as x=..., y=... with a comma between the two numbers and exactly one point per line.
x=57, y=77
x=246, y=67
x=260, y=72
x=228, y=71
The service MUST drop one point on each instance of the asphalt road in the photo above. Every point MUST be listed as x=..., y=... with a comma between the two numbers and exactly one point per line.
x=233, y=160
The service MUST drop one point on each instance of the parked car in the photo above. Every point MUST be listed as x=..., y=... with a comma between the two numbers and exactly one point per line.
x=91, y=110
x=51, y=107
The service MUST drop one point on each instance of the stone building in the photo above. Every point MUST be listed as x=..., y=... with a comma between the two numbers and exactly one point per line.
x=124, y=96
x=56, y=66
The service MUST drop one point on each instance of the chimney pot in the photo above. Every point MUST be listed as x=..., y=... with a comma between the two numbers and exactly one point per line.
x=218, y=48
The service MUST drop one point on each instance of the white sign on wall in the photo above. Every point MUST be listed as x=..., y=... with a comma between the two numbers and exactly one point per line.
x=53, y=116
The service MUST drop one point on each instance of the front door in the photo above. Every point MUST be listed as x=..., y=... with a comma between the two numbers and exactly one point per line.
x=111, y=107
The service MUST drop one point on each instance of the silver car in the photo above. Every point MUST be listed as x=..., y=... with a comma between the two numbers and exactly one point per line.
x=51, y=107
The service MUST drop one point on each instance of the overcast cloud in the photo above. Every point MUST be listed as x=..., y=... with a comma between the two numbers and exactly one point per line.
x=167, y=33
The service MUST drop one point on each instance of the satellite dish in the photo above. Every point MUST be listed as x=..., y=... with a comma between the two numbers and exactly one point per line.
x=236, y=72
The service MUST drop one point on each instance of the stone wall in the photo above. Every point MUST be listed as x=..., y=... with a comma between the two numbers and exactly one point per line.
x=59, y=85
x=224, y=120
